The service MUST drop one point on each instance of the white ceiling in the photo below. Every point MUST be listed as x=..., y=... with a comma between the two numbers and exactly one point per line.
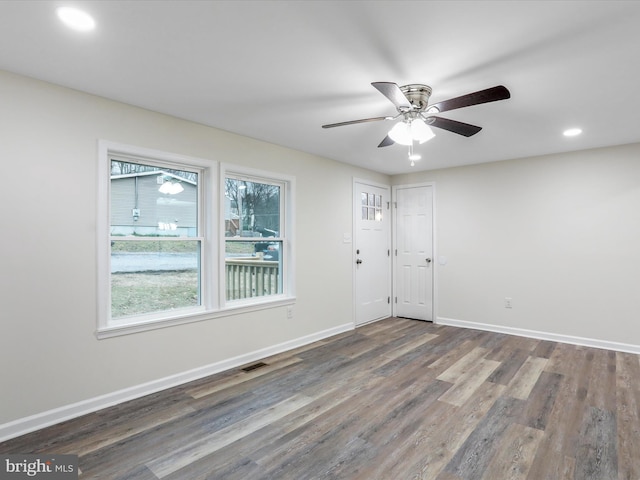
x=278, y=70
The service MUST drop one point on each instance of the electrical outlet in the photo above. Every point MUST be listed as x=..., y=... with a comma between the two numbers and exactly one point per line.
x=507, y=302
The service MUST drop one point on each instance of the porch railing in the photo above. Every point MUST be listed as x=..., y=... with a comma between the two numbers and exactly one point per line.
x=250, y=277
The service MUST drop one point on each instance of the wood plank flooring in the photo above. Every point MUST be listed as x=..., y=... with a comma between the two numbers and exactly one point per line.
x=396, y=399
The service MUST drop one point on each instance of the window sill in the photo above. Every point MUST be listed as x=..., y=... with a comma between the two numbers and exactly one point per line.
x=123, y=328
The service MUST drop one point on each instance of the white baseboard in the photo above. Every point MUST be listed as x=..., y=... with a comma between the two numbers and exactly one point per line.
x=521, y=332
x=51, y=417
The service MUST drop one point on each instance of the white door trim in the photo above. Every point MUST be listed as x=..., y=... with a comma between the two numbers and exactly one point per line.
x=435, y=263
x=355, y=201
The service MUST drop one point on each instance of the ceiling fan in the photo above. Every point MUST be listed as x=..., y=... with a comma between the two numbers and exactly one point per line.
x=412, y=104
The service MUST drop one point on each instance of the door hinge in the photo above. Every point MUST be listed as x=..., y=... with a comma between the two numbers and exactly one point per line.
x=388, y=299
x=396, y=252
x=396, y=299
x=388, y=253
x=387, y=205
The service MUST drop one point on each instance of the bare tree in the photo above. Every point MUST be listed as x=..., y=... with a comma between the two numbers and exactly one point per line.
x=127, y=168
x=259, y=202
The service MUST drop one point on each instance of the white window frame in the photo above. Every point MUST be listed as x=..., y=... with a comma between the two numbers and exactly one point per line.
x=211, y=228
x=287, y=184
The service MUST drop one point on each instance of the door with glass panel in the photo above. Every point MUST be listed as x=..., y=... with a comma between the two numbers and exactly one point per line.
x=372, y=261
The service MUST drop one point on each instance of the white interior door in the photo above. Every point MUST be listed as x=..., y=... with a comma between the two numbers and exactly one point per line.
x=413, y=272
x=372, y=260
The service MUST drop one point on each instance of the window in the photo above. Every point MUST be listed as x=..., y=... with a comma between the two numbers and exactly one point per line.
x=166, y=255
x=254, y=246
x=155, y=239
x=371, y=206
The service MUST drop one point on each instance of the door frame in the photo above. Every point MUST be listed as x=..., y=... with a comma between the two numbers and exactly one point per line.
x=394, y=243
x=355, y=204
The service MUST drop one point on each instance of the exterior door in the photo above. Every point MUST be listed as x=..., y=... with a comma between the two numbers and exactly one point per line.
x=372, y=260
x=413, y=272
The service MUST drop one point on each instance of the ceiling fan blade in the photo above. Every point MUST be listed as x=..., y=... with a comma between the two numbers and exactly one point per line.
x=352, y=122
x=454, y=126
x=483, y=96
x=392, y=92
x=386, y=142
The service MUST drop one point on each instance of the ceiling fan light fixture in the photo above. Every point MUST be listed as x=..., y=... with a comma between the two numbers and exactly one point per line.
x=401, y=133
x=405, y=133
x=420, y=131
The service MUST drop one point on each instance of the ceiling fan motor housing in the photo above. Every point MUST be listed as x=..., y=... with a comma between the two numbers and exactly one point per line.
x=418, y=95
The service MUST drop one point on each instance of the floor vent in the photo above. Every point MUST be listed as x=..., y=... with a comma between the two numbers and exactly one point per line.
x=255, y=366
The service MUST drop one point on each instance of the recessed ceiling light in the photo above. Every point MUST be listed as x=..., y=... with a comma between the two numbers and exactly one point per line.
x=76, y=19
x=572, y=132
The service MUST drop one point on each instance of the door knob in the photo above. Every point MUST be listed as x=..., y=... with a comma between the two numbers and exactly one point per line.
x=358, y=261
x=428, y=260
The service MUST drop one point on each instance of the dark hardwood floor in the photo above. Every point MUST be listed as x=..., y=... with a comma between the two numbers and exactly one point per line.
x=396, y=399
